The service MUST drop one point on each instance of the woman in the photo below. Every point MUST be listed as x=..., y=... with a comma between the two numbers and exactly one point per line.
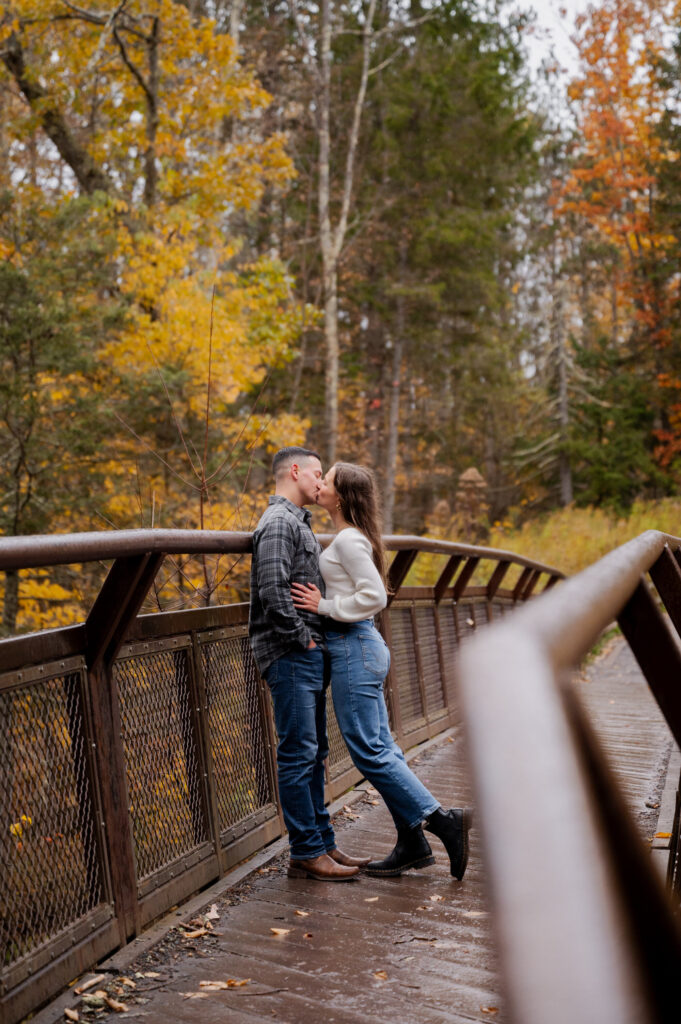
x=353, y=571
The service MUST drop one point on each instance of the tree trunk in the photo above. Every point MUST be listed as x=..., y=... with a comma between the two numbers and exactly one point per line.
x=564, y=468
x=393, y=432
x=329, y=260
x=150, y=168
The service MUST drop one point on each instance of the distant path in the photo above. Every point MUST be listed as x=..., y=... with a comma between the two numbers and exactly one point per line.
x=412, y=950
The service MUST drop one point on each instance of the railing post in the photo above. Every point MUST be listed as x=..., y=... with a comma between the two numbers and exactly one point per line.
x=397, y=573
x=656, y=651
x=446, y=575
x=116, y=606
x=494, y=584
x=464, y=576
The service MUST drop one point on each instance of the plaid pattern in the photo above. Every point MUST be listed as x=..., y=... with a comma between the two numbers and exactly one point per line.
x=285, y=550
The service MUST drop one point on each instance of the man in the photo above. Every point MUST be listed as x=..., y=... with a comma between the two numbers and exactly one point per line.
x=288, y=649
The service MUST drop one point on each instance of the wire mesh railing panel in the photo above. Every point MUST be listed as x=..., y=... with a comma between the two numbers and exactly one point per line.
x=162, y=772
x=430, y=658
x=445, y=613
x=466, y=620
x=51, y=872
x=237, y=732
x=405, y=670
x=339, y=758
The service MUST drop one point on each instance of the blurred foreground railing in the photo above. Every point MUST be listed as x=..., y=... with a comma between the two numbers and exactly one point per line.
x=137, y=760
x=586, y=930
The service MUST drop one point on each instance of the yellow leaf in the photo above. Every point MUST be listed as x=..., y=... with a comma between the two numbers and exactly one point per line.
x=301, y=913
x=280, y=931
x=380, y=975
x=115, y=1005
x=663, y=835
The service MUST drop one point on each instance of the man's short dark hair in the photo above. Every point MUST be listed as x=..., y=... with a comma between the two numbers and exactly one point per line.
x=285, y=457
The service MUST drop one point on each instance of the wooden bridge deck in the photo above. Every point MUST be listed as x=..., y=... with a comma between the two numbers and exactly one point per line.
x=414, y=950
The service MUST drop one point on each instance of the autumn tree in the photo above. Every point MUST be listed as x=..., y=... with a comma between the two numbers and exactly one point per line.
x=148, y=118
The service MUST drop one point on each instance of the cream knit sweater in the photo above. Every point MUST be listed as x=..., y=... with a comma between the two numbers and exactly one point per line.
x=354, y=588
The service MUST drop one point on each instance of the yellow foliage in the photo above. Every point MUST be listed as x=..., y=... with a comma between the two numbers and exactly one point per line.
x=572, y=538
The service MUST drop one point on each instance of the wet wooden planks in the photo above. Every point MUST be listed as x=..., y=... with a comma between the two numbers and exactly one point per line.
x=630, y=726
x=414, y=950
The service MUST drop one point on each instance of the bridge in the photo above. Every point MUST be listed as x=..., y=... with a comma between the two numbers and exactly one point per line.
x=138, y=771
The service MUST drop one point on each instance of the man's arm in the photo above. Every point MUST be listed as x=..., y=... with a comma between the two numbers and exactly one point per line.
x=274, y=555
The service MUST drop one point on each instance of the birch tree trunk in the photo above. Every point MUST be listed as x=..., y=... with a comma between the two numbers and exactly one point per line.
x=331, y=238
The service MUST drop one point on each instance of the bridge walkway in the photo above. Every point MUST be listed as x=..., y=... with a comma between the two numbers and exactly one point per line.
x=414, y=950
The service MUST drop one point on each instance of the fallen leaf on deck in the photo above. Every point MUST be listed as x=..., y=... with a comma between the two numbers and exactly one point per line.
x=114, y=1004
x=213, y=914
x=475, y=913
x=301, y=913
x=380, y=976
x=663, y=835
x=371, y=899
x=71, y=1014
x=375, y=803
x=489, y=1009
x=88, y=984
x=280, y=931
x=147, y=974
x=308, y=935
x=100, y=994
x=195, y=934
x=195, y=995
x=220, y=986
x=435, y=899
x=128, y=981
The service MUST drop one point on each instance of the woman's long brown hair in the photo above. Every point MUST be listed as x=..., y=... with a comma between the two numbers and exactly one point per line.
x=359, y=504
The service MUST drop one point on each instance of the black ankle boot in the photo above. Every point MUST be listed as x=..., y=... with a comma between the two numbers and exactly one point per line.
x=412, y=850
x=451, y=827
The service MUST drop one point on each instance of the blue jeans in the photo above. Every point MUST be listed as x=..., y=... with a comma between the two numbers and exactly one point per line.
x=360, y=661
x=296, y=682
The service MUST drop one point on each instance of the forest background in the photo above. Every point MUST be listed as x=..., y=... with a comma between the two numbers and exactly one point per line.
x=367, y=227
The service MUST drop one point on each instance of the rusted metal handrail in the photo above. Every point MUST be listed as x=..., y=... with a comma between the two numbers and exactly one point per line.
x=34, y=551
x=585, y=929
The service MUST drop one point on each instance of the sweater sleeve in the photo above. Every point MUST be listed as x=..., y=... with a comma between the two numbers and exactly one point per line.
x=369, y=597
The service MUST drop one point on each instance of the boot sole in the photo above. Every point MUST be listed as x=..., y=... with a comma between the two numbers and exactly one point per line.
x=467, y=822
x=424, y=862
x=302, y=873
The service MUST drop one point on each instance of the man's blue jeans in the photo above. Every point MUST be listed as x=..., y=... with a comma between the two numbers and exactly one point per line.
x=296, y=682
x=360, y=661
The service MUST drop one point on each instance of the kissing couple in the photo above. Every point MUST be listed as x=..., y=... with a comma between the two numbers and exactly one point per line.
x=311, y=621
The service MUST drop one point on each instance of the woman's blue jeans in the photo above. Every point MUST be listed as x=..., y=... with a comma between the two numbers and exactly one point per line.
x=296, y=682
x=360, y=661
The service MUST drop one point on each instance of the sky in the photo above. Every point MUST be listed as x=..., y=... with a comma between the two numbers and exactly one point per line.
x=554, y=31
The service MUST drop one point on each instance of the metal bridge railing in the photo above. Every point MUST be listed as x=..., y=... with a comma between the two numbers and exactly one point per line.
x=586, y=930
x=137, y=756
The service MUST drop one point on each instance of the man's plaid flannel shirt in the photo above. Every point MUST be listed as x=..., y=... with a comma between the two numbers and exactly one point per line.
x=285, y=550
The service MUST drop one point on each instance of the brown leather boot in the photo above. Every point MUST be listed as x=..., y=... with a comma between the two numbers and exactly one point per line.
x=347, y=860
x=323, y=868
